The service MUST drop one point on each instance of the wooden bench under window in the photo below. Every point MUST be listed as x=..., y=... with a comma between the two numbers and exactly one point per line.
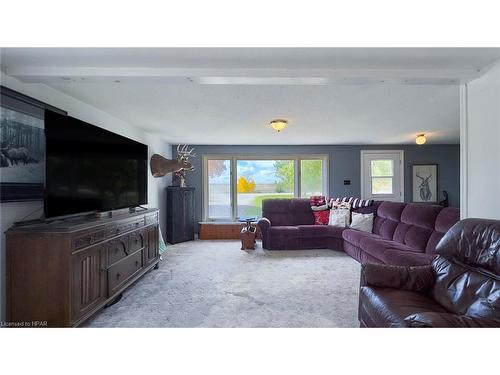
x=213, y=230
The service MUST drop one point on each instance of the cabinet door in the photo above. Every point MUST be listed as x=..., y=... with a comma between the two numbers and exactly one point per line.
x=151, y=252
x=174, y=214
x=89, y=280
x=189, y=216
x=181, y=220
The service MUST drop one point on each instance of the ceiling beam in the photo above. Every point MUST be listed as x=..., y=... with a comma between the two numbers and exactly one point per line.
x=243, y=76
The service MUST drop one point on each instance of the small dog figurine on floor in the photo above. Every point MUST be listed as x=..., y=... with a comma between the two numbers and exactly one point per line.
x=248, y=238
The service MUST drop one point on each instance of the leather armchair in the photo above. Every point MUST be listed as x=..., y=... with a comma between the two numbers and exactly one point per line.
x=461, y=288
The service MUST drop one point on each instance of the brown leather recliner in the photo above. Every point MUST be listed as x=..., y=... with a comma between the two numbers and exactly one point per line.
x=461, y=288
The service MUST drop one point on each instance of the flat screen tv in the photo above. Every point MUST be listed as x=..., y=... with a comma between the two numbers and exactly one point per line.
x=91, y=169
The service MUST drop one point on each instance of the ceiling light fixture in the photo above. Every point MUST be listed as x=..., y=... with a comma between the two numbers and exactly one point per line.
x=421, y=139
x=279, y=124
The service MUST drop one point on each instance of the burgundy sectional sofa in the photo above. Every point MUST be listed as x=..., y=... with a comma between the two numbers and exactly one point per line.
x=403, y=233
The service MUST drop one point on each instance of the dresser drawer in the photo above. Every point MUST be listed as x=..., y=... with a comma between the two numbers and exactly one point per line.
x=152, y=219
x=136, y=241
x=118, y=249
x=124, y=270
x=124, y=226
x=87, y=238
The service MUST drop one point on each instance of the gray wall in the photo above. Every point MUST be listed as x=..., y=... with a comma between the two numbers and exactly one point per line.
x=345, y=164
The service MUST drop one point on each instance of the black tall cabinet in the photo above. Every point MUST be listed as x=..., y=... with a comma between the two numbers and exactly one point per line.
x=180, y=214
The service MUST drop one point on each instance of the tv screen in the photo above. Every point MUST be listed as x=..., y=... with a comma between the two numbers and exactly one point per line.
x=91, y=169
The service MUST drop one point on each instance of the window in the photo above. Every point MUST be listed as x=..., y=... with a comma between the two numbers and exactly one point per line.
x=382, y=175
x=219, y=188
x=311, y=177
x=261, y=179
x=235, y=186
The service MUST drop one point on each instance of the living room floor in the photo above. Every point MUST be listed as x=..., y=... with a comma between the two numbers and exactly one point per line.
x=215, y=284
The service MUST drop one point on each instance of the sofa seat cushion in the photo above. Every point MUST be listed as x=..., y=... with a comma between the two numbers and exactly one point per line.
x=388, y=307
x=355, y=236
x=312, y=230
x=335, y=232
x=377, y=246
x=398, y=257
x=360, y=255
x=283, y=237
x=288, y=230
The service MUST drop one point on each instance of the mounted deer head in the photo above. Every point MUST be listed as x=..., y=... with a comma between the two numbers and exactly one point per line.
x=161, y=166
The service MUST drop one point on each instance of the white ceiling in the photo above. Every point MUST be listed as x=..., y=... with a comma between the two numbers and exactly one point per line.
x=228, y=96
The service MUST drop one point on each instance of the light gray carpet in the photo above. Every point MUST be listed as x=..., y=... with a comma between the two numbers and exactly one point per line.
x=215, y=284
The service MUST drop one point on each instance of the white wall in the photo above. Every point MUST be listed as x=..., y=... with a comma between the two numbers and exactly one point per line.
x=482, y=146
x=16, y=211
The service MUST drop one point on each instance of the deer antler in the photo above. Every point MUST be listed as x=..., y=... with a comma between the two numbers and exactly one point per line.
x=190, y=152
x=423, y=178
x=184, y=151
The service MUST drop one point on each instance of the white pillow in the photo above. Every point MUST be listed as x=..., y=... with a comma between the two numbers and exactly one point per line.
x=339, y=215
x=320, y=208
x=362, y=222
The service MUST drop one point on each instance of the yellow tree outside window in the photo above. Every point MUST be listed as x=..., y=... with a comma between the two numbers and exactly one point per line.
x=245, y=186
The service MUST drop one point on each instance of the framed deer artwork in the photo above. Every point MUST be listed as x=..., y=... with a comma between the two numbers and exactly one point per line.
x=425, y=183
x=22, y=146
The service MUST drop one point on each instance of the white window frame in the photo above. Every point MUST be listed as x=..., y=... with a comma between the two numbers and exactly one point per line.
x=401, y=166
x=233, y=158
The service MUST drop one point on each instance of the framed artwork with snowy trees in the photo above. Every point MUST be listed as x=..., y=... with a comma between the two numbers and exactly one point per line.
x=22, y=147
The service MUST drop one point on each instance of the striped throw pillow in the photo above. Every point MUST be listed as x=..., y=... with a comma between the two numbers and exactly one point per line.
x=354, y=202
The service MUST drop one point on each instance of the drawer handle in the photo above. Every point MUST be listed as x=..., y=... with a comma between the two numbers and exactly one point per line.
x=136, y=262
x=118, y=275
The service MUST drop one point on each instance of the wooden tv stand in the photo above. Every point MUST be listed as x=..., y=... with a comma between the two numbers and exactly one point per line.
x=60, y=273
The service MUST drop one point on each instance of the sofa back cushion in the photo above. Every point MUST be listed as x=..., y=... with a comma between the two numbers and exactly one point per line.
x=475, y=243
x=278, y=211
x=301, y=211
x=294, y=211
x=416, y=225
x=468, y=269
x=388, y=217
x=446, y=218
x=372, y=209
x=464, y=291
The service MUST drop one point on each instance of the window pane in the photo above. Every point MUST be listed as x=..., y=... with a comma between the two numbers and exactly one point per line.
x=219, y=189
x=382, y=185
x=311, y=178
x=261, y=179
x=382, y=168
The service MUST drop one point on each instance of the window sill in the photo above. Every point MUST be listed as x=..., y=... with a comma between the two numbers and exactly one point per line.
x=224, y=222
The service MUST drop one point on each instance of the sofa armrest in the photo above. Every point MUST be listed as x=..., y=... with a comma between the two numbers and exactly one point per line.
x=264, y=224
x=446, y=320
x=413, y=278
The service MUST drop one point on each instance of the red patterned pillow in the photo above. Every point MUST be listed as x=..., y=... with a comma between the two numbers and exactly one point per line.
x=320, y=209
x=317, y=200
x=321, y=217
